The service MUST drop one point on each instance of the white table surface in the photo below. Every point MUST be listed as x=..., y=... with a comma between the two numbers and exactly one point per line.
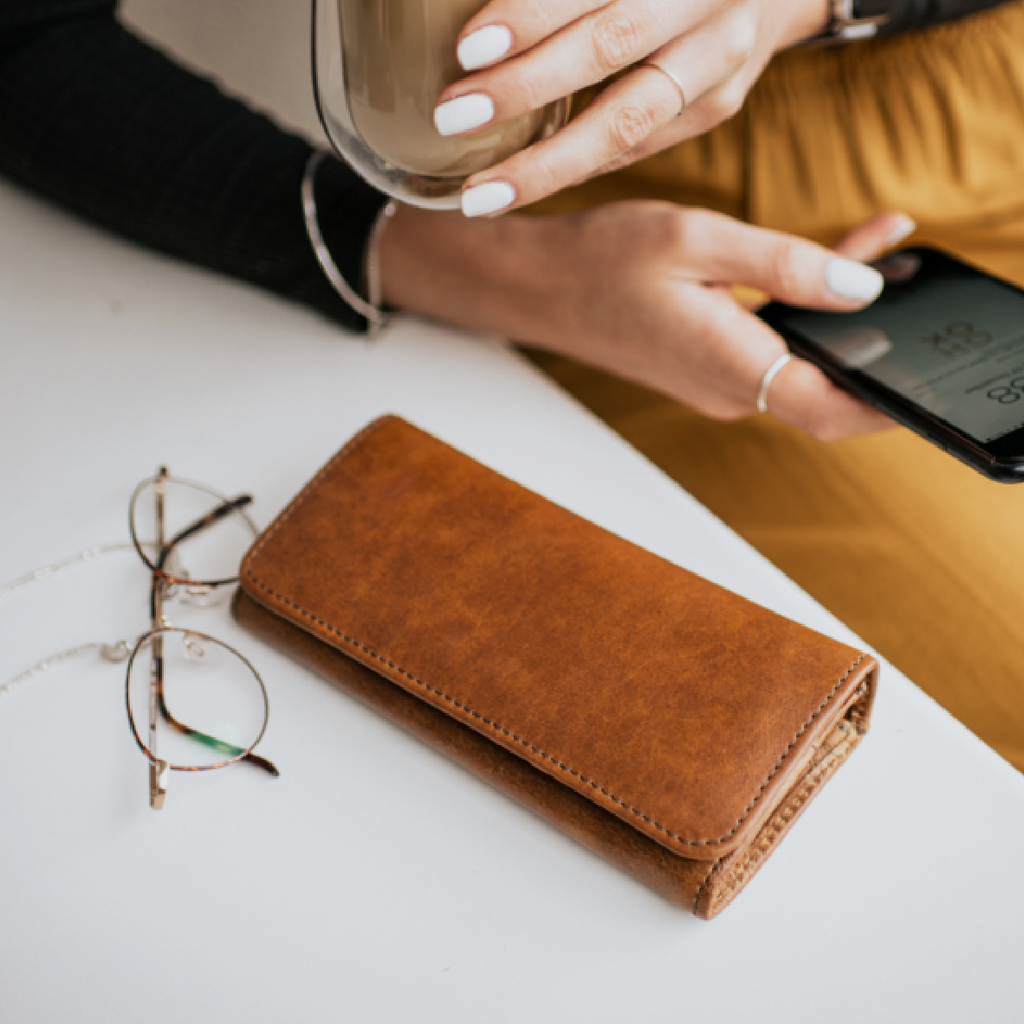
x=375, y=881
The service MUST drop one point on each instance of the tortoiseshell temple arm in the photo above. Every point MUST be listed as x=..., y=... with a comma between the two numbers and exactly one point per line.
x=261, y=762
x=233, y=753
x=204, y=522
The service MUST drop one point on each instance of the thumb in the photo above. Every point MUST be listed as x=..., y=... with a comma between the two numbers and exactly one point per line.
x=873, y=237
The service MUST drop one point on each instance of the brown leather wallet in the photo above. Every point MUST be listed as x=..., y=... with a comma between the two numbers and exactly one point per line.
x=667, y=724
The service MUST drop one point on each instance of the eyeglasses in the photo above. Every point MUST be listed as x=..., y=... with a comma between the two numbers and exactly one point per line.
x=197, y=538
x=201, y=704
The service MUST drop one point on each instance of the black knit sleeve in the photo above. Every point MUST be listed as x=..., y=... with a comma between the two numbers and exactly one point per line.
x=95, y=119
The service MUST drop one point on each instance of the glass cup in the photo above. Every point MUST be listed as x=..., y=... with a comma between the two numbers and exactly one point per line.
x=379, y=67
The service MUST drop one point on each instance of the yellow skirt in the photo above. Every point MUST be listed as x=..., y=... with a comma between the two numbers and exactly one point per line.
x=921, y=556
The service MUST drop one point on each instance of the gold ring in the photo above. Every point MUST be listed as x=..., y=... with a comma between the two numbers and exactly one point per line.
x=668, y=74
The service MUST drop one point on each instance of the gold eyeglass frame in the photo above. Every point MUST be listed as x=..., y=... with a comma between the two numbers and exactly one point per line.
x=164, y=581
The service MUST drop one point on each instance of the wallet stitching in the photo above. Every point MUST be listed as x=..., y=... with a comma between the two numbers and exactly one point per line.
x=301, y=497
x=548, y=757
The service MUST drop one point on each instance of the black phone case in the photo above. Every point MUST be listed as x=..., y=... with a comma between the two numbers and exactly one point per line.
x=896, y=406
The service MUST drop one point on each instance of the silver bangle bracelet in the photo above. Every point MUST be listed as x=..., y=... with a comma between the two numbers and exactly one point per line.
x=370, y=310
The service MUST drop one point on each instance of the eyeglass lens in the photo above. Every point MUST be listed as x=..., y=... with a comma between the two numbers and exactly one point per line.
x=211, y=708
x=209, y=539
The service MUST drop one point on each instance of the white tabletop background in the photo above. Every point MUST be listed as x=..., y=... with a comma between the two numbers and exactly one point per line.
x=375, y=881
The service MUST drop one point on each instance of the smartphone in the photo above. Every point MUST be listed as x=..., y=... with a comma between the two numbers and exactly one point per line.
x=940, y=351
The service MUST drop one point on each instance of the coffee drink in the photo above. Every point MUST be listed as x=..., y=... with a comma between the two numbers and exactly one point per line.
x=399, y=55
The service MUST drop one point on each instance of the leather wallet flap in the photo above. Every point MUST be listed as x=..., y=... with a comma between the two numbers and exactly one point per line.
x=680, y=707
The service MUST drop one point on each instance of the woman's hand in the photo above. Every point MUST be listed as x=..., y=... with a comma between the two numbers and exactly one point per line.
x=641, y=289
x=537, y=52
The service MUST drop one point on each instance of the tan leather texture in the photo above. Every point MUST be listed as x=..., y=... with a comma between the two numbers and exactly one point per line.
x=669, y=725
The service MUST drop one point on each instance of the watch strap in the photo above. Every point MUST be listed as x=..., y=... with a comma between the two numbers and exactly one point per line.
x=853, y=21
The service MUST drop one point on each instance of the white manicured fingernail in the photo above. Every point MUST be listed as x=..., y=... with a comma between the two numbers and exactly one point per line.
x=487, y=198
x=464, y=113
x=484, y=46
x=850, y=280
x=904, y=229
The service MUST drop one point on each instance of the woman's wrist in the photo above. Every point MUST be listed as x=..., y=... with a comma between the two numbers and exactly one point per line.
x=806, y=19
x=501, y=276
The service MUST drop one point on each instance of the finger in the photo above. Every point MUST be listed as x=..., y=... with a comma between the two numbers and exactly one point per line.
x=570, y=61
x=699, y=116
x=621, y=117
x=719, y=102
x=610, y=34
x=727, y=351
x=629, y=111
x=743, y=348
x=787, y=268
x=722, y=376
x=864, y=242
x=505, y=28
x=804, y=397
x=801, y=394
x=712, y=65
x=876, y=235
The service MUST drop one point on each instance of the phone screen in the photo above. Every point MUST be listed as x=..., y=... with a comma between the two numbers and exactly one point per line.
x=943, y=335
